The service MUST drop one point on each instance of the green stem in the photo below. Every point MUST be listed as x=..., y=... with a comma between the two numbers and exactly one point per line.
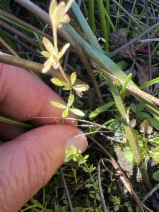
x=103, y=23
x=91, y=19
x=13, y=122
x=130, y=134
x=55, y=38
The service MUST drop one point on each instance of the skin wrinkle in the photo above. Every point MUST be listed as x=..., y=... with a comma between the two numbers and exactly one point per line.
x=6, y=183
x=23, y=85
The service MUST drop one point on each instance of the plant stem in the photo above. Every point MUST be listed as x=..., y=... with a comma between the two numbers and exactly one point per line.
x=91, y=19
x=103, y=23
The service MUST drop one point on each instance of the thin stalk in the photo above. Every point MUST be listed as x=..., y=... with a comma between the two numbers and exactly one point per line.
x=109, y=22
x=55, y=38
x=103, y=24
x=107, y=11
x=91, y=19
x=13, y=122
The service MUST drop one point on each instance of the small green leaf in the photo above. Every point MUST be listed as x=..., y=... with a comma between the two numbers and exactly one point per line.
x=143, y=116
x=65, y=113
x=46, y=54
x=136, y=108
x=155, y=154
x=47, y=65
x=70, y=100
x=84, y=169
x=57, y=104
x=58, y=82
x=116, y=208
x=122, y=64
x=98, y=197
x=77, y=112
x=89, y=185
x=156, y=140
x=156, y=176
x=73, y=78
x=151, y=82
x=63, y=50
x=92, y=196
x=82, y=87
x=101, y=109
x=154, y=122
x=49, y=46
x=126, y=204
x=130, y=209
x=129, y=155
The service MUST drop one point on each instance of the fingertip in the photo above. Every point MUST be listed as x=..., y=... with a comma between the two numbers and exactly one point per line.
x=30, y=160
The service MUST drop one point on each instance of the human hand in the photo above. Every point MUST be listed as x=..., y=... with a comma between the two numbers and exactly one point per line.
x=29, y=160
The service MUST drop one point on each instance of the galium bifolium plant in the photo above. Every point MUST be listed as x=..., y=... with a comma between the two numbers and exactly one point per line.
x=59, y=16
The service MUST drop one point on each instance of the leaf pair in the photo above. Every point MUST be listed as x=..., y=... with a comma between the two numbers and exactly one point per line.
x=67, y=108
x=52, y=54
x=66, y=86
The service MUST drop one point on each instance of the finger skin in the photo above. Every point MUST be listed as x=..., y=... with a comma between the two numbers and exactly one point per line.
x=25, y=97
x=29, y=161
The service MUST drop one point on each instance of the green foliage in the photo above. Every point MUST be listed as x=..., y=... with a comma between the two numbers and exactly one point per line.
x=67, y=108
x=122, y=64
x=156, y=176
x=101, y=109
x=75, y=155
x=138, y=109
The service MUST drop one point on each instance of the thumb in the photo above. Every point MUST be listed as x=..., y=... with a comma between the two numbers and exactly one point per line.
x=29, y=161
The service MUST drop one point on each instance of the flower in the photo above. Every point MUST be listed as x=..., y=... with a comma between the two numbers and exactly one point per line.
x=58, y=13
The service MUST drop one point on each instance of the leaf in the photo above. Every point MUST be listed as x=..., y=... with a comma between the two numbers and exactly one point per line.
x=116, y=208
x=154, y=122
x=136, y=108
x=58, y=105
x=129, y=155
x=77, y=112
x=58, y=82
x=89, y=185
x=46, y=54
x=101, y=109
x=155, y=154
x=63, y=50
x=73, y=78
x=49, y=46
x=82, y=87
x=156, y=140
x=70, y=100
x=47, y=65
x=78, y=209
x=122, y=64
x=65, y=113
x=156, y=176
x=53, y=5
x=151, y=82
x=143, y=116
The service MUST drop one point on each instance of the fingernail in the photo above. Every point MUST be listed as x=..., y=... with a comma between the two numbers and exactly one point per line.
x=78, y=140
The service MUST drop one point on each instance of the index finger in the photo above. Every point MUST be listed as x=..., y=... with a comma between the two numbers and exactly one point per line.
x=25, y=97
